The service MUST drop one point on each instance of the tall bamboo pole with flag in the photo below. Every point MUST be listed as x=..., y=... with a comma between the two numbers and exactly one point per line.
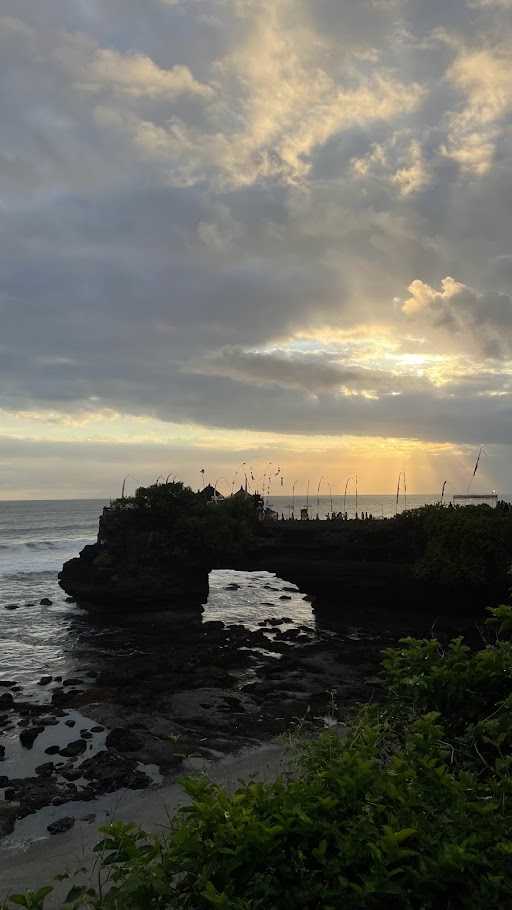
x=475, y=468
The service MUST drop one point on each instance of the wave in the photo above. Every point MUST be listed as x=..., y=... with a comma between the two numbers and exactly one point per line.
x=56, y=543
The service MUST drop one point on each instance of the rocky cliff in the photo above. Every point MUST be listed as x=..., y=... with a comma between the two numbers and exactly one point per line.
x=156, y=550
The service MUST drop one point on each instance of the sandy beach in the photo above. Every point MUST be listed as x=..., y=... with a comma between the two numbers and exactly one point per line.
x=37, y=863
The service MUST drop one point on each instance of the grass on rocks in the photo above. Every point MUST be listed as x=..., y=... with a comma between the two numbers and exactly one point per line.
x=410, y=810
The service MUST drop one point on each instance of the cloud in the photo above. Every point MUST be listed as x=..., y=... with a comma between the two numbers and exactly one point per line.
x=200, y=199
x=316, y=373
x=137, y=76
x=462, y=309
x=400, y=162
x=484, y=77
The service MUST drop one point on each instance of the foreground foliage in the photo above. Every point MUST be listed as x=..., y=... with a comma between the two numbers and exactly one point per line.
x=411, y=809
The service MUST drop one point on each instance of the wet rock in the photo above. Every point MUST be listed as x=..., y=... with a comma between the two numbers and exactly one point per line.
x=88, y=818
x=29, y=735
x=70, y=774
x=32, y=793
x=7, y=683
x=232, y=587
x=45, y=602
x=58, y=695
x=70, y=723
x=72, y=682
x=110, y=771
x=97, y=729
x=69, y=600
x=85, y=735
x=77, y=747
x=61, y=825
x=12, y=606
x=285, y=597
x=124, y=740
x=6, y=701
x=2, y=753
x=52, y=750
x=4, y=781
x=45, y=680
x=7, y=819
x=45, y=770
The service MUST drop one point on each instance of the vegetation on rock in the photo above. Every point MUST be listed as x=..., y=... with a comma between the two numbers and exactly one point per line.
x=178, y=524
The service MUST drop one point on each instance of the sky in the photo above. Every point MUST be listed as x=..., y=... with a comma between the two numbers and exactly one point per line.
x=236, y=232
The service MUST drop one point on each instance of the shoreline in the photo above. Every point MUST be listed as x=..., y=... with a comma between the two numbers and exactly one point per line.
x=37, y=863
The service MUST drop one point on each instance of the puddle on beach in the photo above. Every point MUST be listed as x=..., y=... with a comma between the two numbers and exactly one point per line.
x=32, y=828
x=22, y=762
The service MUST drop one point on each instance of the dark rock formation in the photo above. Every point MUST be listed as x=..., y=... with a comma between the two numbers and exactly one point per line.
x=155, y=551
x=46, y=769
x=109, y=771
x=28, y=736
x=45, y=680
x=124, y=740
x=31, y=793
x=7, y=819
x=77, y=747
x=61, y=825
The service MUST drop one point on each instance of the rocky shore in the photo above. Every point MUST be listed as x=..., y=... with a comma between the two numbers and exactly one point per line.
x=188, y=696
x=223, y=690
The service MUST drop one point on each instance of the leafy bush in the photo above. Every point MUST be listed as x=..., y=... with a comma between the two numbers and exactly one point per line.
x=410, y=810
x=461, y=544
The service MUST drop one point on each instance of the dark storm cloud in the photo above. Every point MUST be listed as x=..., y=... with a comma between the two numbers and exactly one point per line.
x=182, y=183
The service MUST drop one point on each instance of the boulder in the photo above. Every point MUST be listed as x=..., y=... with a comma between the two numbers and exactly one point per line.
x=29, y=735
x=7, y=819
x=77, y=747
x=45, y=602
x=6, y=701
x=31, y=793
x=61, y=825
x=46, y=769
x=111, y=771
x=124, y=740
